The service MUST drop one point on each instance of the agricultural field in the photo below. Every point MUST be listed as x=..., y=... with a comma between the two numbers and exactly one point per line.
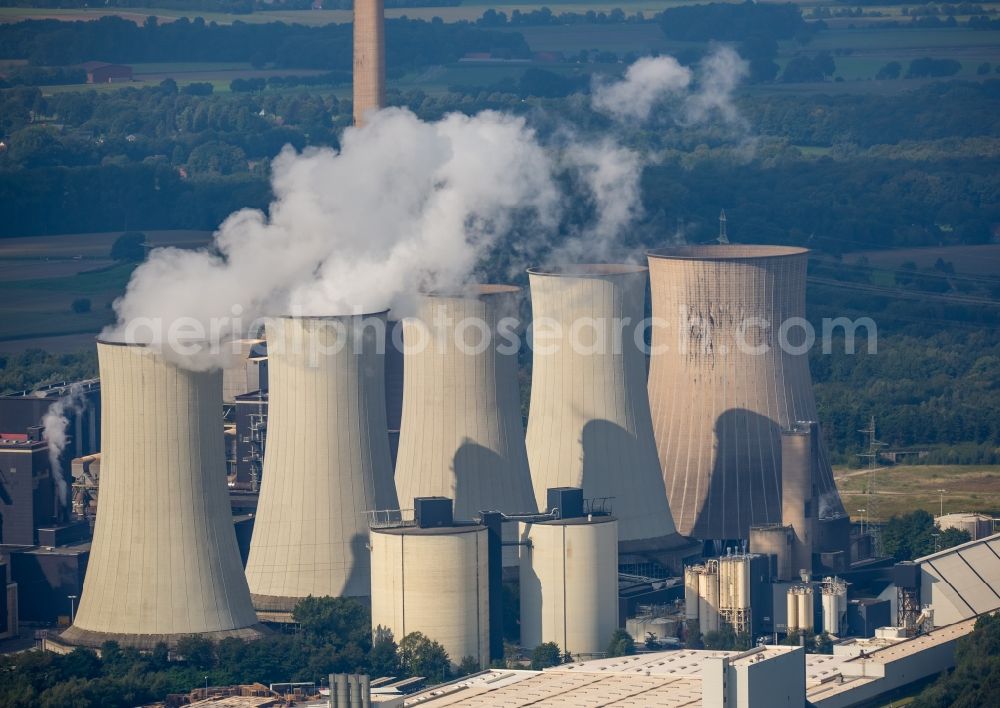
x=41, y=276
x=904, y=488
x=968, y=260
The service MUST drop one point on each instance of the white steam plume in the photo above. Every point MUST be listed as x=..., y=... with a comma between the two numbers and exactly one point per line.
x=647, y=82
x=694, y=96
x=54, y=424
x=404, y=206
x=407, y=206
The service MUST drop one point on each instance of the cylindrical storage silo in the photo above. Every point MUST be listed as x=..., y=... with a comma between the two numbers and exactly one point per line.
x=774, y=540
x=164, y=562
x=434, y=581
x=722, y=386
x=691, y=574
x=569, y=584
x=742, y=583
x=708, y=593
x=831, y=613
x=589, y=423
x=792, y=607
x=462, y=435
x=326, y=462
x=806, y=613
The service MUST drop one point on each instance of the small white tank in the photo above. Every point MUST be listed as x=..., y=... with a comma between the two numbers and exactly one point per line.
x=434, y=581
x=834, y=602
x=569, y=583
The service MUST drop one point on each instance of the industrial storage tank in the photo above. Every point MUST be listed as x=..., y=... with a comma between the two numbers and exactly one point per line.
x=976, y=525
x=834, y=602
x=569, y=583
x=774, y=540
x=434, y=580
x=589, y=423
x=462, y=435
x=164, y=562
x=792, y=609
x=734, y=582
x=806, y=613
x=326, y=462
x=691, y=574
x=722, y=387
x=708, y=598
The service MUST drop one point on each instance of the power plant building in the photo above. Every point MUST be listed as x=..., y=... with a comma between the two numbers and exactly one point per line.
x=462, y=435
x=326, y=462
x=589, y=424
x=164, y=562
x=727, y=375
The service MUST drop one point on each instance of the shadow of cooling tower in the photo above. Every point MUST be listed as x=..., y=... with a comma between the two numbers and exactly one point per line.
x=744, y=489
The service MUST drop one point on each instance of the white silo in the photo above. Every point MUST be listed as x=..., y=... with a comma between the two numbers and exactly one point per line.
x=708, y=598
x=691, y=574
x=326, y=462
x=569, y=584
x=164, y=562
x=462, y=435
x=729, y=372
x=792, y=609
x=589, y=423
x=834, y=601
x=434, y=580
x=806, y=612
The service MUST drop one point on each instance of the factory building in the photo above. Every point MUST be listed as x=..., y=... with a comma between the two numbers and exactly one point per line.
x=247, y=372
x=462, y=436
x=27, y=494
x=976, y=525
x=589, y=423
x=569, y=578
x=326, y=462
x=164, y=562
x=434, y=577
x=22, y=411
x=49, y=580
x=722, y=387
x=772, y=676
x=250, y=427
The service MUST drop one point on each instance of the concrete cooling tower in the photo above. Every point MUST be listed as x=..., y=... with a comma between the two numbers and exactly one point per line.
x=369, y=58
x=326, y=462
x=589, y=423
x=462, y=436
x=164, y=562
x=721, y=387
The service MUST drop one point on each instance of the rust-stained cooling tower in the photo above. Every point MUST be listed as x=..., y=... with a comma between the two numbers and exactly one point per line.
x=164, y=562
x=462, y=436
x=369, y=58
x=326, y=462
x=721, y=387
x=589, y=423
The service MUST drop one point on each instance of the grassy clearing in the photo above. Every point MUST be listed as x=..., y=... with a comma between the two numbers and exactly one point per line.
x=907, y=487
x=47, y=273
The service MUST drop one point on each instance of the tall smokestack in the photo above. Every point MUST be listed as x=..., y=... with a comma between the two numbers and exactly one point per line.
x=798, y=491
x=589, y=423
x=369, y=58
x=164, y=562
x=462, y=436
x=721, y=386
x=326, y=462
